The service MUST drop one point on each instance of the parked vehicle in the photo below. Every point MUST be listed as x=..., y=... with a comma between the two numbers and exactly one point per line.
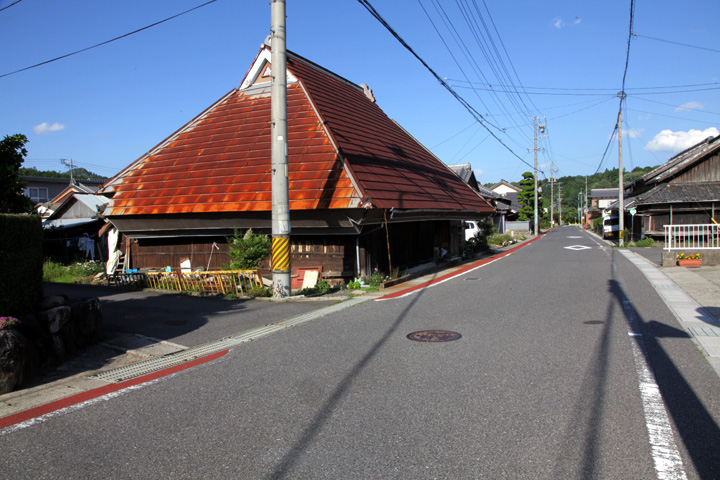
x=611, y=224
x=471, y=229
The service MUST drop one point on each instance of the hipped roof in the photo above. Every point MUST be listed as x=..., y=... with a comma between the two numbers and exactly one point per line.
x=343, y=152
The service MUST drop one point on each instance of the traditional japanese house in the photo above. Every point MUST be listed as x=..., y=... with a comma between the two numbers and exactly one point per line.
x=358, y=182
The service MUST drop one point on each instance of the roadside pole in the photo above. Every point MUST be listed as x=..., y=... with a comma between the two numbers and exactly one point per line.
x=279, y=153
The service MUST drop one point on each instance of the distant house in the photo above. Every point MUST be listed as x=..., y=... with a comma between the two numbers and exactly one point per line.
x=510, y=192
x=46, y=191
x=602, y=198
x=466, y=173
x=504, y=187
x=683, y=191
x=71, y=230
x=358, y=183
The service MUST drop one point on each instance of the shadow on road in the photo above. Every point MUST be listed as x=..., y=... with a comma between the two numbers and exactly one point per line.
x=327, y=409
x=696, y=426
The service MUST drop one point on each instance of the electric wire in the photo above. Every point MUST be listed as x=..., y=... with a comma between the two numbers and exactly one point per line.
x=478, y=117
x=622, y=90
x=107, y=41
x=676, y=43
x=8, y=6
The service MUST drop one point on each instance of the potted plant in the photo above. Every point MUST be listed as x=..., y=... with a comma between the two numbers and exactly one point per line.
x=692, y=260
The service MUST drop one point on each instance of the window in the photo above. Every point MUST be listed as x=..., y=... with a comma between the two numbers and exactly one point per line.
x=37, y=194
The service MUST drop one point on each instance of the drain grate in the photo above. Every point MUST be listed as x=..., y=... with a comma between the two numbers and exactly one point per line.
x=434, y=336
x=594, y=322
x=470, y=279
x=159, y=363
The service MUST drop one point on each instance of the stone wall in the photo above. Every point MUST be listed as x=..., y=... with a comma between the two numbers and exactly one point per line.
x=44, y=340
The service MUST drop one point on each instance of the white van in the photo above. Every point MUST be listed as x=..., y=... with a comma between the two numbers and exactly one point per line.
x=471, y=229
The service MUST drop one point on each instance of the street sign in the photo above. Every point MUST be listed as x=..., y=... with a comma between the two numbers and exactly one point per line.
x=633, y=211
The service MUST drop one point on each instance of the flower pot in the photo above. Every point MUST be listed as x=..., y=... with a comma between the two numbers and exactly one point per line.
x=689, y=262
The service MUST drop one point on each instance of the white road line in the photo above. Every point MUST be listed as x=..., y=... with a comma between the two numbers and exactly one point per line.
x=666, y=457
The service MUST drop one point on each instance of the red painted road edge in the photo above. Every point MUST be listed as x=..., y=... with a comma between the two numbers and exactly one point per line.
x=460, y=271
x=35, y=412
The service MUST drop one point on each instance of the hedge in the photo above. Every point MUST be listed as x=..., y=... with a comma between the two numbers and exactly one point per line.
x=21, y=264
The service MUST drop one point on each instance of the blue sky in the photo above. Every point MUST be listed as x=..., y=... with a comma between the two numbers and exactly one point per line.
x=106, y=107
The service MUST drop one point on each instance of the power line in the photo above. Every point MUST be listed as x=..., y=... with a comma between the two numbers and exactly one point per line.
x=676, y=43
x=107, y=41
x=478, y=117
x=622, y=90
x=14, y=3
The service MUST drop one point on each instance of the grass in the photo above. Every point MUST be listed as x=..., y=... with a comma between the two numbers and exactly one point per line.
x=80, y=272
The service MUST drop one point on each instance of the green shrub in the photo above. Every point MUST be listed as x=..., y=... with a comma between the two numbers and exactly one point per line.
x=75, y=272
x=645, y=242
x=246, y=251
x=258, y=291
x=20, y=263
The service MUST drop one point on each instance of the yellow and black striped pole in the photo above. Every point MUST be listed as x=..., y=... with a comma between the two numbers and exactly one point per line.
x=281, y=254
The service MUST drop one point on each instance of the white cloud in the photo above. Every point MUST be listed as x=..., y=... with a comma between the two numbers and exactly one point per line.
x=690, y=106
x=45, y=128
x=670, y=141
x=633, y=132
x=560, y=23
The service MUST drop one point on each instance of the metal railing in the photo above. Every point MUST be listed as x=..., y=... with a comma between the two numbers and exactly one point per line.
x=222, y=281
x=692, y=237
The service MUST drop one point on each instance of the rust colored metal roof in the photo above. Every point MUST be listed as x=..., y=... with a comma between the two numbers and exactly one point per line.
x=392, y=169
x=343, y=152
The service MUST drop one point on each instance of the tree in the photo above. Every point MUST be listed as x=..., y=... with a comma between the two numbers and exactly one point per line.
x=526, y=198
x=12, y=155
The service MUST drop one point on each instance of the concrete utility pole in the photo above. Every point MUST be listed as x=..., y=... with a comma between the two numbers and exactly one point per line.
x=621, y=193
x=580, y=206
x=552, y=193
x=560, y=221
x=586, y=206
x=535, y=173
x=279, y=152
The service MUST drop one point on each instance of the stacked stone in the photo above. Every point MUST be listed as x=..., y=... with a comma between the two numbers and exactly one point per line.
x=44, y=340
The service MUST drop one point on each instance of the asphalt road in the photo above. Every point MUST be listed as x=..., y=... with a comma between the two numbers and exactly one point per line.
x=546, y=382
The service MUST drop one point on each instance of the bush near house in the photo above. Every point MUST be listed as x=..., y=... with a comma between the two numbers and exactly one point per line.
x=247, y=250
x=21, y=264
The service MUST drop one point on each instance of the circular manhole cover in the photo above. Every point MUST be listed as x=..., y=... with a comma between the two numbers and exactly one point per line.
x=434, y=336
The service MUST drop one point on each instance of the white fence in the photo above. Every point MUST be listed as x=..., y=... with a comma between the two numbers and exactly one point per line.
x=692, y=237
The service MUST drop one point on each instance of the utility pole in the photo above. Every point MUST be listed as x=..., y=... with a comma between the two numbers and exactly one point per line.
x=560, y=220
x=579, y=207
x=621, y=193
x=535, y=173
x=69, y=164
x=279, y=153
x=586, y=206
x=552, y=193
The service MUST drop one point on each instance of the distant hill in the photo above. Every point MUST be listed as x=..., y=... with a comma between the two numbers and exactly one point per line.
x=78, y=174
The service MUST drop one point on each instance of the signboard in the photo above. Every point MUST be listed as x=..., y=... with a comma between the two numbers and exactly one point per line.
x=633, y=211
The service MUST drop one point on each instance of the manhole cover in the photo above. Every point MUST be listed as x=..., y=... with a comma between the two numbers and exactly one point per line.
x=176, y=323
x=472, y=278
x=434, y=336
x=594, y=322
